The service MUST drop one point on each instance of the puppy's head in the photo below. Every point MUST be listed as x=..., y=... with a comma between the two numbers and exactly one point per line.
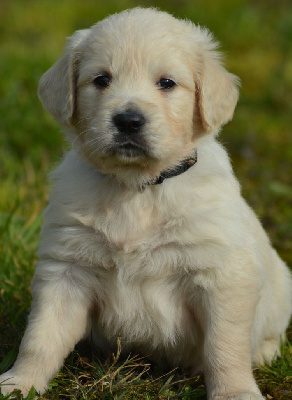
x=137, y=90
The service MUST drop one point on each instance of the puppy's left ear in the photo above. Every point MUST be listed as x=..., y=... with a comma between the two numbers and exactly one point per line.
x=58, y=85
x=216, y=89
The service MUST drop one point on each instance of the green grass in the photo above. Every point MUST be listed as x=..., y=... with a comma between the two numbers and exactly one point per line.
x=256, y=38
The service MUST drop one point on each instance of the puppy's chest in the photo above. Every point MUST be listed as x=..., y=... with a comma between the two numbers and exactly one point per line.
x=144, y=283
x=135, y=240
x=132, y=230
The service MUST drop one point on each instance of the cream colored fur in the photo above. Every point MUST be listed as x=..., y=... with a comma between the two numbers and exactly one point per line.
x=182, y=271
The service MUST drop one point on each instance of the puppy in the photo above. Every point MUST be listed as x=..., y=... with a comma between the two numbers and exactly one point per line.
x=146, y=235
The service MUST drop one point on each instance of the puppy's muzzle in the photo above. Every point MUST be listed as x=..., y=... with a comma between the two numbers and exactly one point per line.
x=129, y=140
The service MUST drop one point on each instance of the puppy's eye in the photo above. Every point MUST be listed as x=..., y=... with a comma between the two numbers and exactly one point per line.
x=166, y=83
x=102, y=81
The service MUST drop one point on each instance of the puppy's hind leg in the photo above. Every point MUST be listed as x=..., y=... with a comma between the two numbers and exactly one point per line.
x=58, y=320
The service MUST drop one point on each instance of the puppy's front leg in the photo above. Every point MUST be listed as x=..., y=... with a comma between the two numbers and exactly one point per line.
x=229, y=315
x=58, y=320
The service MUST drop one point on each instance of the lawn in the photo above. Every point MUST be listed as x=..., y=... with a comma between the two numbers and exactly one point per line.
x=256, y=39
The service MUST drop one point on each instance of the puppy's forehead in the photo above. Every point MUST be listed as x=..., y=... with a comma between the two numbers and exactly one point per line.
x=139, y=38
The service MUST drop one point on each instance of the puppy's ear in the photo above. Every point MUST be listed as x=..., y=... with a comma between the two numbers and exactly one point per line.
x=216, y=90
x=57, y=86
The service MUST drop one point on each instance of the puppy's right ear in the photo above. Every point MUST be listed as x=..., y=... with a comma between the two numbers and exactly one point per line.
x=58, y=85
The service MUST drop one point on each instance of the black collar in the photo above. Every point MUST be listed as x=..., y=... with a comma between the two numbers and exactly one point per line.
x=177, y=170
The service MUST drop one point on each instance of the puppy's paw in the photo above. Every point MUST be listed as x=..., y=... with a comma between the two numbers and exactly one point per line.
x=268, y=350
x=239, y=396
x=10, y=381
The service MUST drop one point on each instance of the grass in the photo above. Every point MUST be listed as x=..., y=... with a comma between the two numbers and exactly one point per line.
x=256, y=39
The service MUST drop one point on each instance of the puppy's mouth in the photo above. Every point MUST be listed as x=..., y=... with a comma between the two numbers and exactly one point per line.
x=130, y=149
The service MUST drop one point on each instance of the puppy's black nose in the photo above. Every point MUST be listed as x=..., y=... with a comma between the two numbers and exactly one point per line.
x=129, y=121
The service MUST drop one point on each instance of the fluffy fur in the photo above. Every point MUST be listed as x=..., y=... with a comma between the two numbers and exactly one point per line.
x=181, y=270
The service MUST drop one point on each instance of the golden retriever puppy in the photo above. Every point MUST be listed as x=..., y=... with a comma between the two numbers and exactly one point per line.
x=146, y=235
